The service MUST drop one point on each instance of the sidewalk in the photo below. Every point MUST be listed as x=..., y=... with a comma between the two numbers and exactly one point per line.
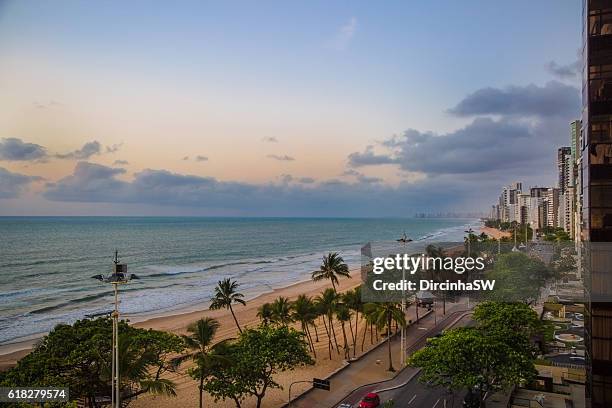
x=372, y=367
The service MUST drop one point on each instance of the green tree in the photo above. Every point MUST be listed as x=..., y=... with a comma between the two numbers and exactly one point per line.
x=343, y=314
x=264, y=313
x=332, y=267
x=383, y=315
x=281, y=311
x=304, y=311
x=508, y=317
x=518, y=278
x=256, y=357
x=78, y=356
x=469, y=358
x=203, y=352
x=226, y=294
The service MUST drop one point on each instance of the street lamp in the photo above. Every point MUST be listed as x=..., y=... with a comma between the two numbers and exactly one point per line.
x=404, y=240
x=118, y=277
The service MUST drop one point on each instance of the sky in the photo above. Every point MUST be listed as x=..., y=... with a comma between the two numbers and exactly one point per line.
x=281, y=108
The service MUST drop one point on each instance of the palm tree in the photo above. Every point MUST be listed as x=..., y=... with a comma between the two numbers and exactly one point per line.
x=134, y=368
x=333, y=266
x=343, y=314
x=352, y=299
x=202, y=352
x=384, y=314
x=281, y=311
x=305, y=313
x=264, y=312
x=225, y=295
x=437, y=252
x=327, y=302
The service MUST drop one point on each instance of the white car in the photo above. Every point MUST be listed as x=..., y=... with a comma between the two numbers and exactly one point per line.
x=345, y=405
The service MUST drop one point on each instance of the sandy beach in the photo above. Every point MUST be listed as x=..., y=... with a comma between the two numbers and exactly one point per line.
x=187, y=393
x=495, y=233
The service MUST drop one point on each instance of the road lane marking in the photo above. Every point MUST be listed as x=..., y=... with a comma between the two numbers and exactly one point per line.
x=411, y=399
x=434, y=405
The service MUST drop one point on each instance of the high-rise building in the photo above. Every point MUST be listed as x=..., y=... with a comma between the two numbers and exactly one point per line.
x=551, y=200
x=576, y=138
x=565, y=168
x=596, y=152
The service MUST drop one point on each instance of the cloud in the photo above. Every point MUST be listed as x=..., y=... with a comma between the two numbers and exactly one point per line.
x=280, y=157
x=270, y=139
x=201, y=158
x=121, y=162
x=306, y=180
x=288, y=178
x=113, y=148
x=13, y=149
x=94, y=183
x=553, y=99
x=362, y=178
x=89, y=149
x=13, y=184
x=484, y=145
x=567, y=71
x=369, y=158
x=345, y=34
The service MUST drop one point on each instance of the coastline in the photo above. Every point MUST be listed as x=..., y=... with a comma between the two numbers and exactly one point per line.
x=178, y=320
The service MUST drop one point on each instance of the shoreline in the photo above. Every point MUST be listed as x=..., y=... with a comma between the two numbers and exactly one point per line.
x=177, y=321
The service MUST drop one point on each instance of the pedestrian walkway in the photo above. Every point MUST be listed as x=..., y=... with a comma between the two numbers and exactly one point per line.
x=372, y=367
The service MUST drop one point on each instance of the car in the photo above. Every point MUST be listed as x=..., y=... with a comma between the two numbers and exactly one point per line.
x=345, y=405
x=371, y=400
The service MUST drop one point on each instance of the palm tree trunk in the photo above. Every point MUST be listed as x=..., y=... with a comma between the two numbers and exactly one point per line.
x=351, y=327
x=329, y=343
x=314, y=353
x=372, y=333
x=365, y=331
x=236, y=320
x=346, y=350
x=356, y=333
x=334, y=332
x=316, y=331
x=309, y=337
x=201, y=387
x=389, y=342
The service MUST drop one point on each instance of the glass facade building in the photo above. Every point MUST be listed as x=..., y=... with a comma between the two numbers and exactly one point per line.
x=596, y=167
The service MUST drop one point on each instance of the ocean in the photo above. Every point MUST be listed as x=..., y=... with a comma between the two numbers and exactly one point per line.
x=46, y=263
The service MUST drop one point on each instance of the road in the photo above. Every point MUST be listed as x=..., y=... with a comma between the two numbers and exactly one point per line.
x=415, y=394
x=419, y=393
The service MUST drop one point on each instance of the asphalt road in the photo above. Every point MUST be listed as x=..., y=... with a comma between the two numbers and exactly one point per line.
x=415, y=394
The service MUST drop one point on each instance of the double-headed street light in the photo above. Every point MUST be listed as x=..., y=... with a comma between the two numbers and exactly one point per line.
x=118, y=277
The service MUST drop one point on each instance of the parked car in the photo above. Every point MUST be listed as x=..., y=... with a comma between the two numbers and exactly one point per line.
x=371, y=400
x=345, y=405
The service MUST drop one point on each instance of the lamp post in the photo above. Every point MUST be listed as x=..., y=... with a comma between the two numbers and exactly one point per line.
x=118, y=277
x=404, y=240
x=469, y=231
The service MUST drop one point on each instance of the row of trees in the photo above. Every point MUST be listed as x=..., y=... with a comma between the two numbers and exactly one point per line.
x=78, y=356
